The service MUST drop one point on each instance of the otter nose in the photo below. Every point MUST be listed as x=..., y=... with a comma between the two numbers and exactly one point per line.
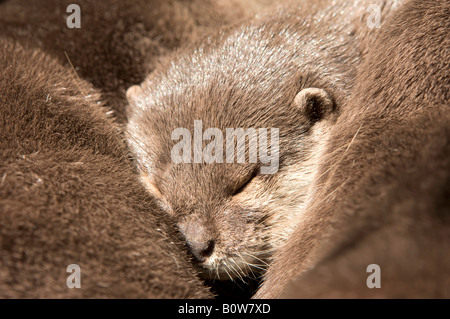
x=200, y=244
x=201, y=250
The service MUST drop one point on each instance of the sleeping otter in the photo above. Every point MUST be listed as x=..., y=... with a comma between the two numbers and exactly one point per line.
x=69, y=194
x=287, y=71
x=382, y=195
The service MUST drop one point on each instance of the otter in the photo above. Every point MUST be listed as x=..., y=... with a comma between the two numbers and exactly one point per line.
x=289, y=70
x=117, y=45
x=382, y=195
x=119, y=42
x=69, y=194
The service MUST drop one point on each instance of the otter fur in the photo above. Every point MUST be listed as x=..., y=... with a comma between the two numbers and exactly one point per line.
x=69, y=194
x=119, y=42
x=382, y=195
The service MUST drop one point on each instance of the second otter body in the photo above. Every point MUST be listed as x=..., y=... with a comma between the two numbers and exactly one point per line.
x=382, y=195
x=289, y=72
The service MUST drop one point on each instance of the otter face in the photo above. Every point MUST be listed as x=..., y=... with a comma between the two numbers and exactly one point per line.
x=224, y=234
x=231, y=214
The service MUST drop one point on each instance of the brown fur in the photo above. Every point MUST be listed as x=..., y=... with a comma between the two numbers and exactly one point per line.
x=383, y=193
x=246, y=76
x=119, y=41
x=69, y=195
x=118, y=44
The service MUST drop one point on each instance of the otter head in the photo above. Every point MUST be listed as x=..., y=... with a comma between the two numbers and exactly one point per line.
x=229, y=146
x=231, y=212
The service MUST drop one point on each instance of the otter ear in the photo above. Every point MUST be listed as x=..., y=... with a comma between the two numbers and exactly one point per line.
x=316, y=104
x=133, y=94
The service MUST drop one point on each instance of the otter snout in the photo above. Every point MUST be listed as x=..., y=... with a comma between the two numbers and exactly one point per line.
x=198, y=239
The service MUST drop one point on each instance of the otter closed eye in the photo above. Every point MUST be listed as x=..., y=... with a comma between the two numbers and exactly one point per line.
x=245, y=182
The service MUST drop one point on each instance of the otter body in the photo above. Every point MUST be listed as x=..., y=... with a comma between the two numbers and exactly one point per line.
x=382, y=196
x=69, y=194
x=287, y=71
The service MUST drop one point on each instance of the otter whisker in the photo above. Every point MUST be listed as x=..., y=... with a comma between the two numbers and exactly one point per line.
x=225, y=269
x=259, y=259
x=255, y=266
x=238, y=273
